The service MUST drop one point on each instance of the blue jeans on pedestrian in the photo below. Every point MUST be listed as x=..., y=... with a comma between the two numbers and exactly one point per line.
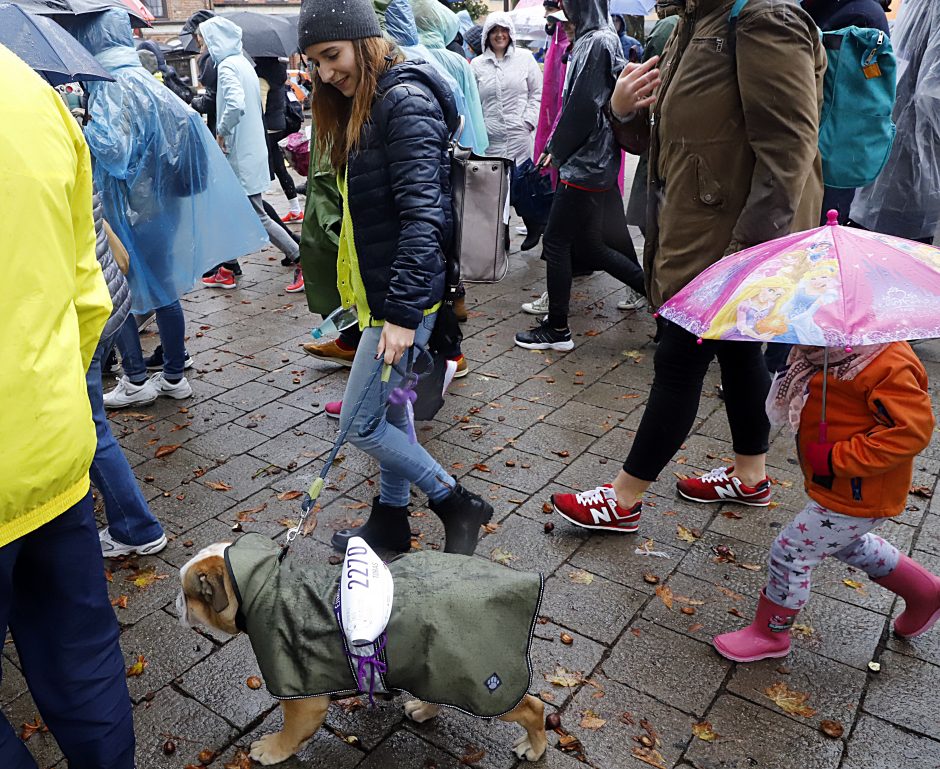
x=129, y=517
x=401, y=462
x=172, y=327
x=54, y=599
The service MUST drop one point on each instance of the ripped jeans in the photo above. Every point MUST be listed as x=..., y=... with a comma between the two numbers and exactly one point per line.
x=401, y=462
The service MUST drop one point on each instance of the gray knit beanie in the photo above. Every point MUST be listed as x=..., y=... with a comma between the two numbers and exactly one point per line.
x=327, y=20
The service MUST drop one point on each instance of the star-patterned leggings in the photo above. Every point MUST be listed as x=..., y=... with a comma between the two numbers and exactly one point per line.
x=814, y=534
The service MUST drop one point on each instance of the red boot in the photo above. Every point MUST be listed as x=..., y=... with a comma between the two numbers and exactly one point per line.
x=920, y=590
x=767, y=636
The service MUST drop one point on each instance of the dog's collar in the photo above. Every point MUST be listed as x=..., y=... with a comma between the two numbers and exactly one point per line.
x=240, y=622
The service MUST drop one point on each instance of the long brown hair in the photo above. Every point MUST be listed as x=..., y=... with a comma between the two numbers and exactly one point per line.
x=339, y=119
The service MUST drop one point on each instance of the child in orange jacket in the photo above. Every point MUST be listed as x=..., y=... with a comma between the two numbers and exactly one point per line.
x=857, y=471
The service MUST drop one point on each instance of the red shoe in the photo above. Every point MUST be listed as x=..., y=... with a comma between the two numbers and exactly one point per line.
x=333, y=408
x=223, y=278
x=293, y=216
x=297, y=285
x=766, y=637
x=598, y=509
x=721, y=486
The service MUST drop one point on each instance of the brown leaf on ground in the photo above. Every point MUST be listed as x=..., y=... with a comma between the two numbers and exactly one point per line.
x=686, y=534
x=789, y=700
x=253, y=682
x=590, y=720
x=650, y=579
x=732, y=515
x=310, y=524
x=137, y=669
x=481, y=467
x=734, y=611
x=165, y=451
x=581, y=577
x=357, y=506
x=290, y=523
x=547, y=507
x=350, y=705
x=218, y=485
x=799, y=630
x=695, y=627
x=144, y=578
x=704, y=731
x=139, y=416
x=627, y=718
x=502, y=556
x=120, y=602
x=240, y=760
x=564, y=677
x=472, y=755
x=489, y=528
x=649, y=756
x=923, y=492
x=730, y=593
x=30, y=728
x=206, y=756
x=287, y=496
x=245, y=516
x=108, y=575
x=857, y=586
x=832, y=729
x=664, y=593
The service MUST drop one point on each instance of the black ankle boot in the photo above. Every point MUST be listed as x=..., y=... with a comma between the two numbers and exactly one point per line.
x=387, y=528
x=462, y=513
x=533, y=236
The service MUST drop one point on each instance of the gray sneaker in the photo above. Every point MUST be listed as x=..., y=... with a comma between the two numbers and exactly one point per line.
x=538, y=306
x=111, y=548
x=633, y=301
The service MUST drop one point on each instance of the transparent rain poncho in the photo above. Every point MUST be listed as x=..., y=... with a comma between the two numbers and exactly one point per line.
x=905, y=199
x=168, y=191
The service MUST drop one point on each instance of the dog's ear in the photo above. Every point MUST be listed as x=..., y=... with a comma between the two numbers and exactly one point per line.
x=212, y=587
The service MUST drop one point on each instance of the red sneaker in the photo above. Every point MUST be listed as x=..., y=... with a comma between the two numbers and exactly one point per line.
x=293, y=216
x=297, y=284
x=721, y=485
x=598, y=509
x=223, y=278
x=333, y=408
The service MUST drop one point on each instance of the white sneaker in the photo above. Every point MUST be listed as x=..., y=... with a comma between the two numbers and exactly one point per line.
x=111, y=548
x=522, y=230
x=537, y=307
x=126, y=393
x=180, y=390
x=633, y=301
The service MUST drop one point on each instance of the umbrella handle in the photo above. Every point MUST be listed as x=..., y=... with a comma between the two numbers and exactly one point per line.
x=824, y=432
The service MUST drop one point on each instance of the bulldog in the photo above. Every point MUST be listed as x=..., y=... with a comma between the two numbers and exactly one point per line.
x=459, y=635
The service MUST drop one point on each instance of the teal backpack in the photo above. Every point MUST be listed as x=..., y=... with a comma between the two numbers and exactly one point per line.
x=855, y=129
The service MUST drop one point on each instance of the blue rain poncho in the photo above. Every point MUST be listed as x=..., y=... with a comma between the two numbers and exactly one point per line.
x=238, y=105
x=437, y=27
x=168, y=191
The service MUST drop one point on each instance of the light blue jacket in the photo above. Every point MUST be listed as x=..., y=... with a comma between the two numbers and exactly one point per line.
x=238, y=105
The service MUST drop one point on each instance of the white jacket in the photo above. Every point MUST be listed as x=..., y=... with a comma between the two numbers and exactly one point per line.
x=511, y=91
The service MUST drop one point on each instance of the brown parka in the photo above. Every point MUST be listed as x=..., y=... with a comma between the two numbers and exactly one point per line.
x=732, y=138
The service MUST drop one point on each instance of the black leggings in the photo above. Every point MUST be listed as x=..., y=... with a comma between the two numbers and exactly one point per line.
x=596, y=223
x=276, y=164
x=679, y=371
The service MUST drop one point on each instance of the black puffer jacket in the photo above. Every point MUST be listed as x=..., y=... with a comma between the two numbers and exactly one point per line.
x=275, y=107
x=399, y=193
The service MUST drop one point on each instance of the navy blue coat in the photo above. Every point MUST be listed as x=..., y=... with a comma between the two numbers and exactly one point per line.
x=830, y=15
x=399, y=193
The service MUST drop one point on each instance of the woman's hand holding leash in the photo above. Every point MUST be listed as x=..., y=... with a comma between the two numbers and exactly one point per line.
x=393, y=342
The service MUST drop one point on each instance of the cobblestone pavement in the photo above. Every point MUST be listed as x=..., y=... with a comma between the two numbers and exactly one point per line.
x=522, y=425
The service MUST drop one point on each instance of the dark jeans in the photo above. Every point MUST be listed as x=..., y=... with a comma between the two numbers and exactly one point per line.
x=54, y=599
x=679, y=370
x=172, y=326
x=594, y=222
x=276, y=164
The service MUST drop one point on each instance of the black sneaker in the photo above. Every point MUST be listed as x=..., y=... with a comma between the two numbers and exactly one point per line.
x=155, y=361
x=544, y=337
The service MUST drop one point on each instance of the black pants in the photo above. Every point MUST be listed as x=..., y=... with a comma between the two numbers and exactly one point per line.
x=276, y=164
x=679, y=370
x=596, y=223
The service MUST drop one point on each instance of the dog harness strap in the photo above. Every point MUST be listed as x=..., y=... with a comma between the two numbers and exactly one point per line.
x=370, y=665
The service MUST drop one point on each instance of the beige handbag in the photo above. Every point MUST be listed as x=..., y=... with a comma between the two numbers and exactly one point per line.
x=121, y=257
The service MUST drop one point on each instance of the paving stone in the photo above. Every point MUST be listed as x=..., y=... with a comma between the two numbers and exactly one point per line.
x=244, y=474
x=169, y=649
x=170, y=471
x=189, y=505
x=527, y=547
x=548, y=654
x=250, y=396
x=206, y=416
x=904, y=692
x=929, y=538
x=141, y=601
x=230, y=375
x=481, y=436
x=588, y=471
x=272, y=419
x=670, y=667
x=480, y=387
x=12, y=684
x=584, y=418
x=369, y=725
x=711, y=604
x=598, y=610
x=662, y=517
x=752, y=736
x=702, y=562
x=190, y=725
x=290, y=448
x=178, y=553
x=510, y=410
x=405, y=750
x=926, y=646
x=553, y=442
x=148, y=439
x=756, y=525
x=219, y=683
x=226, y=441
x=834, y=623
x=612, y=396
x=614, y=557
x=529, y=473
x=877, y=744
x=41, y=745
x=455, y=732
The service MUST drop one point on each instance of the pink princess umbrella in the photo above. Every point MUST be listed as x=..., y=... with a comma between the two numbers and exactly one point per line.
x=827, y=287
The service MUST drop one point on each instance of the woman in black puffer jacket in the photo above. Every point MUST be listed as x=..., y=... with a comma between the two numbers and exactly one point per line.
x=384, y=123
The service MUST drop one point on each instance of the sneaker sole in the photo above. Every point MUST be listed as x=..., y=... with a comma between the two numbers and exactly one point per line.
x=614, y=530
x=294, y=290
x=629, y=307
x=150, y=549
x=133, y=403
x=532, y=311
x=177, y=397
x=331, y=416
x=461, y=374
x=559, y=346
x=715, y=501
x=750, y=658
x=338, y=361
x=226, y=286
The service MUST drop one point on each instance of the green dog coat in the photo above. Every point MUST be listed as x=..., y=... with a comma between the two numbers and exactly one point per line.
x=459, y=633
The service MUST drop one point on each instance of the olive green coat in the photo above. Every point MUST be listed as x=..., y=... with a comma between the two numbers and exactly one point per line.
x=459, y=633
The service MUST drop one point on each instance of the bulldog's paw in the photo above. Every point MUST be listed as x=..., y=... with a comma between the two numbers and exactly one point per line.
x=419, y=711
x=271, y=749
x=525, y=749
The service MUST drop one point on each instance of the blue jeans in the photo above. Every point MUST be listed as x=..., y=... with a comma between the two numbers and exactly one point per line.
x=54, y=599
x=400, y=461
x=172, y=327
x=129, y=517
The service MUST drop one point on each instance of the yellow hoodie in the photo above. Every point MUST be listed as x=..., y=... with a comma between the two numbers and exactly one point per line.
x=55, y=303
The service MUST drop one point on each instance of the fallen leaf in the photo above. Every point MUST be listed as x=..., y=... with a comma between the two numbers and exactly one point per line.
x=253, y=682
x=481, y=467
x=750, y=566
x=569, y=743
x=108, y=575
x=547, y=507
x=563, y=677
x=649, y=756
x=472, y=755
x=800, y=630
x=581, y=577
x=730, y=593
x=627, y=718
x=29, y=729
x=921, y=491
x=687, y=610
x=165, y=451
x=289, y=523
x=350, y=705
x=735, y=612
x=357, y=506
x=489, y=528
x=287, y=496
x=137, y=669
x=245, y=516
x=854, y=584
x=789, y=700
x=206, y=756
x=731, y=514
x=120, y=602
x=704, y=731
x=562, y=454
x=650, y=579
x=218, y=485
x=686, y=534
x=695, y=627
x=144, y=578
x=832, y=729
x=502, y=556
x=240, y=760
x=590, y=720
x=664, y=592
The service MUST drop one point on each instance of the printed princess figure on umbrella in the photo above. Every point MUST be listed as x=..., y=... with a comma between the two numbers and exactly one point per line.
x=751, y=311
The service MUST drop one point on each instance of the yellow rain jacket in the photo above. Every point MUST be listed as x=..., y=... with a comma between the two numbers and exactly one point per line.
x=55, y=303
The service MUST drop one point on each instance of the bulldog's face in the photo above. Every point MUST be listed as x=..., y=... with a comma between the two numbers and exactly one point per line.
x=207, y=596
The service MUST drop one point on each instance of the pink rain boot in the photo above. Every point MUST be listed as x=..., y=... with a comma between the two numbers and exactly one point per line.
x=920, y=590
x=767, y=636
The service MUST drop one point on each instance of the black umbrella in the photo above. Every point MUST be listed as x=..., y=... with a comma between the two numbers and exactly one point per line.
x=187, y=33
x=140, y=16
x=44, y=6
x=47, y=48
x=265, y=34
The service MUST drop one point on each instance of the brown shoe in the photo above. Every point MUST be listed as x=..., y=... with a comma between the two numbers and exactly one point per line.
x=330, y=351
x=460, y=309
x=462, y=368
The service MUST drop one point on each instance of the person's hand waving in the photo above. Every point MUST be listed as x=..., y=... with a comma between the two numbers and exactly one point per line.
x=635, y=89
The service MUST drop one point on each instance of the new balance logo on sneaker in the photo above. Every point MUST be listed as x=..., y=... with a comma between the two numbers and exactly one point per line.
x=721, y=485
x=597, y=509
